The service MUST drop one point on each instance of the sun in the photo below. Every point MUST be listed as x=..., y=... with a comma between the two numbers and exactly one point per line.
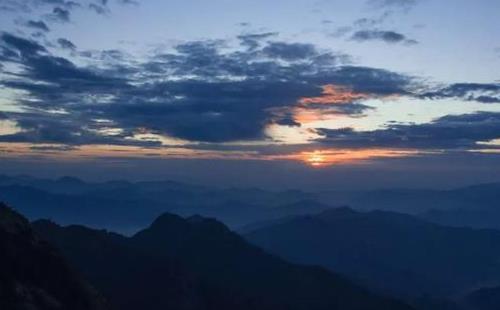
x=316, y=159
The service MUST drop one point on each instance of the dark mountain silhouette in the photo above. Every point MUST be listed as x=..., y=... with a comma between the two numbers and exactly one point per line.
x=128, y=278
x=34, y=276
x=391, y=252
x=199, y=263
x=484, y=299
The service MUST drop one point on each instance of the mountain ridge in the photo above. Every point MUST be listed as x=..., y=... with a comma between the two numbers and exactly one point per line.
x=411, y=255
x=221, y=264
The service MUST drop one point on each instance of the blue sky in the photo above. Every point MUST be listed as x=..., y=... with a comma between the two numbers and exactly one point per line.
x=317, y=83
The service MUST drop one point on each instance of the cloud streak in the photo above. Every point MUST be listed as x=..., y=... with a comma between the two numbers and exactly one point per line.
x=484, y=93
x=391, y=37
x=393, y=4
x=459, y=132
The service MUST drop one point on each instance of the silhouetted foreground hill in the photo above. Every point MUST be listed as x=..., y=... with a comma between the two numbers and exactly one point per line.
x=484, y=299
x=130, y=279
x=33, y=276
x=391, y=252
x=198, y=263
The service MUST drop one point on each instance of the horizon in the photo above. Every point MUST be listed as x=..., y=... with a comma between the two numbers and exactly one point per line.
x=235, y=187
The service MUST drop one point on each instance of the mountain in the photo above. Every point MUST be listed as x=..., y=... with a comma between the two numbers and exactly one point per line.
x=478, y=206
x=484, y=299
x=117, y=212
x=199, y=263
x=460, y=217
x=127, y=277
x=128, y=206
x=475, y=206
x=390, y=252
x=34, y=276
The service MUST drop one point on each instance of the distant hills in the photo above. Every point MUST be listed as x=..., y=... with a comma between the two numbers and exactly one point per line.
x=128, y=206
x=33, y=275
x=391, y=252
x=198, y=263
x=474, y=206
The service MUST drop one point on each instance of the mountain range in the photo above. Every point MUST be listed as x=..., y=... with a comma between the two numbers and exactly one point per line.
x=390, y=252
x=126, y=207
x=198, y=263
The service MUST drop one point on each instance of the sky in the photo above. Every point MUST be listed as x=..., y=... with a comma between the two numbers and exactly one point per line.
x=279, y=94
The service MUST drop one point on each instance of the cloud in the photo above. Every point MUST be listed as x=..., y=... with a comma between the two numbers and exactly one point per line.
x=484, y=93
x=368, y=80
x=369, y=22
x=217, y=96
x=200, y=91
x=66, y=44
x=368, y=29
x=61, y=9
x=69, y=5
x=14, y=6
x=52, y=148
x=23, y=46
x=99, y=9
x=392, y=4
x=289, y=51
x=128, y=2
x=448, y=132
x=60, y=15
x=39, y=25
x=253, y=40
x=382, y=35
x=206, y=105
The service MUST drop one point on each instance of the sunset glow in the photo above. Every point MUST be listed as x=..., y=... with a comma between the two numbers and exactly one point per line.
x=317, y=158
x=324, y=158
x=334, y=94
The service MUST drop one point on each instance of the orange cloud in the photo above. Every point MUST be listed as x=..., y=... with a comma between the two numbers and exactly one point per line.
x=333, y=94
x=304, y=116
